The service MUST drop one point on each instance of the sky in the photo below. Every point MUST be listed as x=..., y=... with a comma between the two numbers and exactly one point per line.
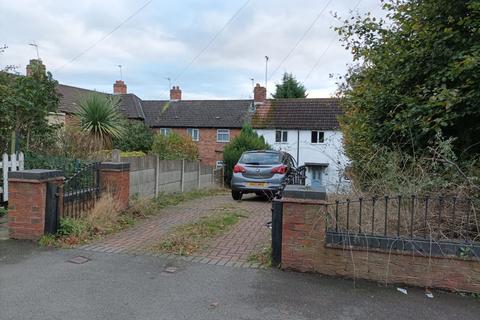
x=211, y=49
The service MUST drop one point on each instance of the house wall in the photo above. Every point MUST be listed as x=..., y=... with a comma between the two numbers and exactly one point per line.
x=331, y=152
x=210, y=150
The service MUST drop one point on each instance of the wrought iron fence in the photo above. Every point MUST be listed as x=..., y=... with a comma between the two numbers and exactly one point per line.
x=438, y=224
x=81, y=191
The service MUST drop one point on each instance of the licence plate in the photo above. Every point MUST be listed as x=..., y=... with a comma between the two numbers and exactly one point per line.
x=257, y=184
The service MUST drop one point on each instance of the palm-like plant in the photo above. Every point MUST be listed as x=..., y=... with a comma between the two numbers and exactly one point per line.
x=98, y=116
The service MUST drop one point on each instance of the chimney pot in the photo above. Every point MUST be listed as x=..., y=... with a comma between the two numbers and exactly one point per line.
x=259, y=94
x=175, y=93
x=119, y=87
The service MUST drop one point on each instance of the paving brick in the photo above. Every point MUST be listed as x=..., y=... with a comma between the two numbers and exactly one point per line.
x=245, y=238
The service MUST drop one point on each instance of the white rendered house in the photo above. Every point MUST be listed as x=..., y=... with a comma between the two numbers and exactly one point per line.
x=308, y=129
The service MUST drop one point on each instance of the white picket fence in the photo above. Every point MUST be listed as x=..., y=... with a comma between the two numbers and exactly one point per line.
x=14, y=162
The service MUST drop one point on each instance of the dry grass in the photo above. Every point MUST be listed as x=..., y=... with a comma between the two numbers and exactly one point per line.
x=263, y=257
x=189, y=238
x=407, y=217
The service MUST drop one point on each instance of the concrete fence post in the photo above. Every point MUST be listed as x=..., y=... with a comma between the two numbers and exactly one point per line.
x=115, y=155
x=157, y=174
x=199, y=175
x=27, y=206
x=182, y=176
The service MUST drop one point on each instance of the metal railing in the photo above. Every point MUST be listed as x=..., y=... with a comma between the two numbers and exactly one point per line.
x=444, y=224
x=81, y=191
x=296, y=176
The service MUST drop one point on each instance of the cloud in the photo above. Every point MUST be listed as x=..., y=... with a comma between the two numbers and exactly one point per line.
x=162, y=39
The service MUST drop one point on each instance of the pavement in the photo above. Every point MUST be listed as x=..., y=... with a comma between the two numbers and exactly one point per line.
x=244, y=239
x=38, y=283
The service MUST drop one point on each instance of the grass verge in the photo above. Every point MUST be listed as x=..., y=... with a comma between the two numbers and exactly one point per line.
x=189, y=238
x=106, y=218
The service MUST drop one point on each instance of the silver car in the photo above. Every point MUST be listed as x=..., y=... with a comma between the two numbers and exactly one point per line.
x=260, y=172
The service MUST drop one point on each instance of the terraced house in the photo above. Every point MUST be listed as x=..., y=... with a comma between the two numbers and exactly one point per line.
x=306, y=128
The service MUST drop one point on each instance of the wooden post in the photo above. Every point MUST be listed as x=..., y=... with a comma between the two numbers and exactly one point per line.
x=199, y=175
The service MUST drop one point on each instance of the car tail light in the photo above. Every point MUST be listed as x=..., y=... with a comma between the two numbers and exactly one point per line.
x=280, y=170
x=238, y=168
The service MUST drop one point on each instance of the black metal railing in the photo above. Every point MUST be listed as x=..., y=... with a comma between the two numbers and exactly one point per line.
x=81, y=191
x=444, y=224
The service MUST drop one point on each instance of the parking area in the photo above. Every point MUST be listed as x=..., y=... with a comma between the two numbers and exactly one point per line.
x=232, y=248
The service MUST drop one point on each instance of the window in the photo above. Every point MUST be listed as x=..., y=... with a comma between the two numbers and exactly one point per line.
x=165, y=131
x=194, y=133
x=219, y=164
x=318, y=136
x=281, y=136
x=223, y=135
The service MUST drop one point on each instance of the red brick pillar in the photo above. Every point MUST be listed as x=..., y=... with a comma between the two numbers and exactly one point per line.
x=27, y=202
x=115, y=178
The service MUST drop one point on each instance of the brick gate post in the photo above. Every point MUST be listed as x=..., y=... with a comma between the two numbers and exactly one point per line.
x=28, y=200
x=115, y=178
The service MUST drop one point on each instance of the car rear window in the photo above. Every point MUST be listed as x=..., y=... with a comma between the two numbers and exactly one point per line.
x=260, y=158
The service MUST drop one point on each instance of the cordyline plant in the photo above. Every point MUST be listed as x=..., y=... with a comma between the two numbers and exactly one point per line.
x=98, y=115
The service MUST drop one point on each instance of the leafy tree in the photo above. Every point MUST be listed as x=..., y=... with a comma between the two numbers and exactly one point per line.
x=247, y=140
x=417, y=77
x=174, y=146
x=98, y=115
x=25, y=103
x=415, y=82
x=289, y=88
x=137, y=137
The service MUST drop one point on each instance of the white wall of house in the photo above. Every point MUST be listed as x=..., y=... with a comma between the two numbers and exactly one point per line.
x=329, y=152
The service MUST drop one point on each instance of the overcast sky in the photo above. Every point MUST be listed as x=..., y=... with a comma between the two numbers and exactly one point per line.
x=163, y=38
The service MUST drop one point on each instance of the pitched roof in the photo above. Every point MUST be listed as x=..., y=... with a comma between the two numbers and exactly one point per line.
x=310, y=113
x=130, y=104
x=197, y=113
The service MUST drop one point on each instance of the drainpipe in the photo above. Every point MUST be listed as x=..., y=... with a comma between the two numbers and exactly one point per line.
x=298, y=148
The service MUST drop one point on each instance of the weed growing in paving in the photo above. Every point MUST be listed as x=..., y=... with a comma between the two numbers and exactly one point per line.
x=262, y=257
x=3, y=212
x=189, y=238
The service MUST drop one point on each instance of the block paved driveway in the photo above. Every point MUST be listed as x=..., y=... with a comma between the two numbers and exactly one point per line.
x=233, y=248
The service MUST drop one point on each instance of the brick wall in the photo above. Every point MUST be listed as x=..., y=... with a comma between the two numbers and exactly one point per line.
x=304, y=249
x=115, y=178
x=210, y=150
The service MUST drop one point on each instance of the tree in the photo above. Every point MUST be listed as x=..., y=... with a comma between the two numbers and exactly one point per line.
x=247, y=140
x=174, y=146
x=25, y=103
x=137, y=137
x=428, y=86
x=289, y=88
x=416, y=79
x=98, y=115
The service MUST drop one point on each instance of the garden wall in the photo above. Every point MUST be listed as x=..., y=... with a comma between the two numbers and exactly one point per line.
x=304, y=248
x=150, y=176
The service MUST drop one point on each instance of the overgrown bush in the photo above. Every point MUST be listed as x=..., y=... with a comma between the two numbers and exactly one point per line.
x=52, y=162
x=174, y=146
x=401, y=108
x=137, y=137
x=247, y=140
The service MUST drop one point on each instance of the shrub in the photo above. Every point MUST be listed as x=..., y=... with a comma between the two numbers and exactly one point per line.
x=137, y=137
x=125, y=154
x=174, y=146
x=247, y=140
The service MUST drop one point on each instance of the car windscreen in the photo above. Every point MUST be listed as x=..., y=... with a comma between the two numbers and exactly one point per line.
x=260, y=158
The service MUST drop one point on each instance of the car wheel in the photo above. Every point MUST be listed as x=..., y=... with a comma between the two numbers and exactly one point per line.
x=236, y=195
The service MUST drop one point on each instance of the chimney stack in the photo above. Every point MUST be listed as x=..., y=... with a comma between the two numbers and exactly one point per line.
x=119, y=87
x=259, y=94
x=175, y=93
x=36, y=65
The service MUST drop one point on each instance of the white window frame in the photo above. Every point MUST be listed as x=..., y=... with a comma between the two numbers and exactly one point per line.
x=317, y=132
x=218, y=163
x=194, y=133
x=223, y=132
x=283, y=136
x=165, y=131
